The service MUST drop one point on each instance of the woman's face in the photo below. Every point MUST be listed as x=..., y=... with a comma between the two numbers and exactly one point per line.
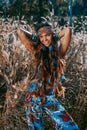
x=46, y=39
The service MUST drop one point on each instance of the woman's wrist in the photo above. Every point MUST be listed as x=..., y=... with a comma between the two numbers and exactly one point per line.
x=57, y=36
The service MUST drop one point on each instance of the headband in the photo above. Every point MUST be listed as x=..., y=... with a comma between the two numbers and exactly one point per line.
x=45, y=29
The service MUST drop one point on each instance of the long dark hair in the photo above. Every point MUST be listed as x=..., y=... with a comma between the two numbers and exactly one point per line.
x=47, y=58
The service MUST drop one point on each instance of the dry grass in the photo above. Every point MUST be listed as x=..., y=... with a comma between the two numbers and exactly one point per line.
x=16, y=69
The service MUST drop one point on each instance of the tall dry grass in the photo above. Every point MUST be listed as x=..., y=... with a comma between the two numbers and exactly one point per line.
x=16, y=69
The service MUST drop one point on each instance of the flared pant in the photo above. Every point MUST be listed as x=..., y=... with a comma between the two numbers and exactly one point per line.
x=52, y=107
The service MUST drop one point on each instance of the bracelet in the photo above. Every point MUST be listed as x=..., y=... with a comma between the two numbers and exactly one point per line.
x=34, y=38
x=57, y=36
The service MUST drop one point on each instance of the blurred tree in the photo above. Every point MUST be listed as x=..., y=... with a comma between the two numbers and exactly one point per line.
x=33, y=10
x=41, y=8
x=17, y=9
x=80, y=7
x=30, y=9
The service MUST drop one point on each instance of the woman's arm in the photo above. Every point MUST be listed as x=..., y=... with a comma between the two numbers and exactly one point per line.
x=66, y=34
x=26, y=42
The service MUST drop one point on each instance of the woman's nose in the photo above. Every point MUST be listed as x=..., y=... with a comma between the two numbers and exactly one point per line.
x=45, y=38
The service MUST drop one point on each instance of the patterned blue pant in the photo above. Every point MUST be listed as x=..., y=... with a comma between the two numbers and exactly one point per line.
x=60, y=118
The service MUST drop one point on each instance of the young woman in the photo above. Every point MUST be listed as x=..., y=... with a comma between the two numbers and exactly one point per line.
x=46, y=84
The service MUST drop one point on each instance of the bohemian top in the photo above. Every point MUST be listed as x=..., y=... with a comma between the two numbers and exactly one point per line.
x=49, y=74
